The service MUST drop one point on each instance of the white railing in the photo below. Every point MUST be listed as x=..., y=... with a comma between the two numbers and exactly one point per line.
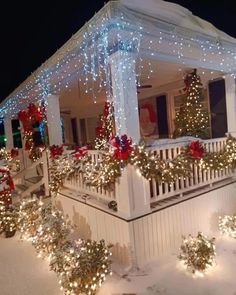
x=197, y=177
x=77, y=183
x=28, y=169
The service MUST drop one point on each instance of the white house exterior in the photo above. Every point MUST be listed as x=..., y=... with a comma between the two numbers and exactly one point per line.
x=150, y=42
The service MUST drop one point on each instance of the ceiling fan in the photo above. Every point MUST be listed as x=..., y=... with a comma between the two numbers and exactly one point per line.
x=143, y=87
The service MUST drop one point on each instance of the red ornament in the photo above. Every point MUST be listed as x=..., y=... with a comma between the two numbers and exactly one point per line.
x=196, y=149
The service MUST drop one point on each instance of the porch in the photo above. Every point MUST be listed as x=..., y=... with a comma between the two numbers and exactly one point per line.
x=108, y=65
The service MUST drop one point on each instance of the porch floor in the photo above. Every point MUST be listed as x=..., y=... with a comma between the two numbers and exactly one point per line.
x=22, y=273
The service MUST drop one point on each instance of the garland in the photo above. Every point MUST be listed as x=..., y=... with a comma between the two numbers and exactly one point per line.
x=120, y=152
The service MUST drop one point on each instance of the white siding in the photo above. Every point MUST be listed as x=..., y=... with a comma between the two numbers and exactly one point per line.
x=156, y=234
x=96, y=225
x=160, y=233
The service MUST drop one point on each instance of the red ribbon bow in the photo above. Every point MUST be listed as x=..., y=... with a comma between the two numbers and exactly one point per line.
x=196, y=149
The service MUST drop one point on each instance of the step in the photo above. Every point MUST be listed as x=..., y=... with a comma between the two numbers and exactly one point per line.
x=21, y=187
x=33, y=180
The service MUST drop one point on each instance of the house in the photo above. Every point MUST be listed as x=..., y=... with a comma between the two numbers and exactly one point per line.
x=152, y=44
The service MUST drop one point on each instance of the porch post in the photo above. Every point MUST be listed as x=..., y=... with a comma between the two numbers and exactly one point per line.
x=132, y=190
x=230, y=92
x=125, y=94
x=8, y=134
x=53, y=120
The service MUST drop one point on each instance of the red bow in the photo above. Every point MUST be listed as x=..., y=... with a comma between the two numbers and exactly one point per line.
x=80, y=152
x=55, y=150
x=122, y=147
x=196, y=149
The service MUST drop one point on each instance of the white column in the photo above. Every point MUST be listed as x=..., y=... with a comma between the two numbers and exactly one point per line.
x=230, y=91
x=8, y=134
x=53, y=120
x=132, y=190
x=125, y=94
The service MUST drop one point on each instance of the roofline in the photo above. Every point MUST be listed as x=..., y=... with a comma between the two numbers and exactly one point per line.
x=53, y=59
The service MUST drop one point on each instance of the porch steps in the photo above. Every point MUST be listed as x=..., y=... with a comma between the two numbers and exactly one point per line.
x=31, y=185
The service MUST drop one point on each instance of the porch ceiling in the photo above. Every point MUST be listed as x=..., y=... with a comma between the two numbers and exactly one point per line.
x=163, y=75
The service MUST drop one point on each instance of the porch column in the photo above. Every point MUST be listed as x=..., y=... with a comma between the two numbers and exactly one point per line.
x=53, y=119
x=230, y=92
x=8, y=134
x=132, y=190
x=125, y=94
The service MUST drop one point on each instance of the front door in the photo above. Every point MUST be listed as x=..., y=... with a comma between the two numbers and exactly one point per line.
x=217, y=99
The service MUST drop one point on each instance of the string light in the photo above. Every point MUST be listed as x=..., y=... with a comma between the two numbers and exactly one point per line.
x=227, y=225
x=105, y=127
x=198, y=253
x=87, y=55
x=81, y=265
x=105, y=172
x=8, y=219
x=193, y=118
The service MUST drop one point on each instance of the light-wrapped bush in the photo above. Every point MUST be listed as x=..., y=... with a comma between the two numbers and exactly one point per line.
x=198, y=253
x=227, y=225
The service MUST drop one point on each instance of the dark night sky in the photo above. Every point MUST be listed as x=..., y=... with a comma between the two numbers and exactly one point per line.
x=31, y=32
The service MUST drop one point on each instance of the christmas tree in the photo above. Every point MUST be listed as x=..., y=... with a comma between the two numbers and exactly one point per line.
x=105, y=128
x=192, y=119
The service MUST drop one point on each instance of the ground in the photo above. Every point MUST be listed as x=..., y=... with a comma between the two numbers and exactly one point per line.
x=22, y=273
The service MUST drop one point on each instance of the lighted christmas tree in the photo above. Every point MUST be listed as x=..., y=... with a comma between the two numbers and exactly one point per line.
x=192, y=118
x=105, y=128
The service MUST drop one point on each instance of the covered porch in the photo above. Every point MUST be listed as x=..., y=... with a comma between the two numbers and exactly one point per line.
x=137, y=61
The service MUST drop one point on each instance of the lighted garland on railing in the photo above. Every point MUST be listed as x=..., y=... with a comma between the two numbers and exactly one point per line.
x=121, y=152
x=64, y=166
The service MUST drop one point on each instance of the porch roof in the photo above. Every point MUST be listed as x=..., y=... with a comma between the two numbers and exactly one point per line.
x=153, y=29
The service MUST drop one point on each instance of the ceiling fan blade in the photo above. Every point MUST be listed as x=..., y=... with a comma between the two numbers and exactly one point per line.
x=144, y=86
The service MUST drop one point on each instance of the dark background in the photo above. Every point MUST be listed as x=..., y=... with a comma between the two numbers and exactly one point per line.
x=31, y=32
